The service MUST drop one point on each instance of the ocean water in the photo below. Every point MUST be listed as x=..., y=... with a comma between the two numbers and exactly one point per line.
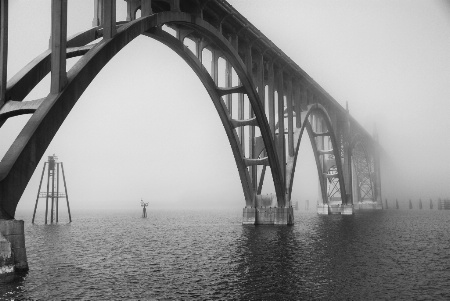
x=200, y=255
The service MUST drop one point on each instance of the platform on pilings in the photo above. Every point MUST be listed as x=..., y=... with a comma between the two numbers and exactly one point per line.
x=268, y=216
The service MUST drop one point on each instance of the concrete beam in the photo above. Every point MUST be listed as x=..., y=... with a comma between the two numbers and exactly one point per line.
x=58, y=46
x=245, y=122
x=109, y=14
x=13, y=108
x=230, y=90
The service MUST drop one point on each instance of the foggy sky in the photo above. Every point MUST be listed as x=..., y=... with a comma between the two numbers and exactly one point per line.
x=146, y=128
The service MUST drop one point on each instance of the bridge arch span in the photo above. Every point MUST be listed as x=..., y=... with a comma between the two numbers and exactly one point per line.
x=22, y=158
x=316, y=121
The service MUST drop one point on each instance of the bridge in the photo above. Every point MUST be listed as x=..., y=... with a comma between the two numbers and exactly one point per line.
x=265, y=102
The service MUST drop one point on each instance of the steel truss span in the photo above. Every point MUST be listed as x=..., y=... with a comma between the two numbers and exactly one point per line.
x=264, y=100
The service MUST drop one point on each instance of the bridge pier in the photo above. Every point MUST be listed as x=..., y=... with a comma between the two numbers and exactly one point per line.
x=365, y=205
x=344, y=209
x=13, y=257
x=268, y=216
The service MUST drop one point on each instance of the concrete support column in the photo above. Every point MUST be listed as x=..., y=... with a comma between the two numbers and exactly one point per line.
x=58, y=46
x=235, y=43
x=241, y=117
x=260, y=79
x=13, y=256
x=98, y=13
x=251, y=138
x=109, y=24
x=174, y=5
x=146, y=8
x=132, y=7
x=271, y=104
x=299, y=95
x=215, y=67
x=290, y=111
x=199, y=46
x=281, y=141
x=3, y=49
x=229, y=84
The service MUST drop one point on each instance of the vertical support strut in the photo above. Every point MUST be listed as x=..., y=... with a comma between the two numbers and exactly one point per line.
x=53, y=192
x=109, y=13
x=57, y=190
x=215, y=67
x=280, y=140
x=146, y=8
x=290, y=111
x=271, y=91
x=58, y=46
x=65, y=188
x=228, y=84
x=241, y=117
x=98, y=13
x=46, y=197
x=298, y=101
x=251, y=138
x=3, y=49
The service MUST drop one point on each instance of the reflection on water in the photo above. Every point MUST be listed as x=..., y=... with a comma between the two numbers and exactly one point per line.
x=210, y=255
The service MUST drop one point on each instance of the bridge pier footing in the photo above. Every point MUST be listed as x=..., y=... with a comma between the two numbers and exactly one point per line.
x=268, y=216
x=13, y=256
x=368, y=206
x=335, y=209
x=322, y=209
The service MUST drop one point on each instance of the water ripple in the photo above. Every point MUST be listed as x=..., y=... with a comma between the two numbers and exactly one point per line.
x=399, y=255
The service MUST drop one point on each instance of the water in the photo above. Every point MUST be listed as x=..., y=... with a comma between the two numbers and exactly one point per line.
x=183, y=255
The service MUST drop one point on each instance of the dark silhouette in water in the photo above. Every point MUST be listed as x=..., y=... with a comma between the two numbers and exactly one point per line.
x=387, y=207
x=420, y=203
x=410, y=204
x=144, y=210
x=431, y=204
x=396, y=203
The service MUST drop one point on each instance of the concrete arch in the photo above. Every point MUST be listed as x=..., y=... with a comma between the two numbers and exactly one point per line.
x=22, y=158
x=292, y=162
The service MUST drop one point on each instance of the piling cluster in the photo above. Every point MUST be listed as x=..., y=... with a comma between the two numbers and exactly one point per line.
x=442, y=204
